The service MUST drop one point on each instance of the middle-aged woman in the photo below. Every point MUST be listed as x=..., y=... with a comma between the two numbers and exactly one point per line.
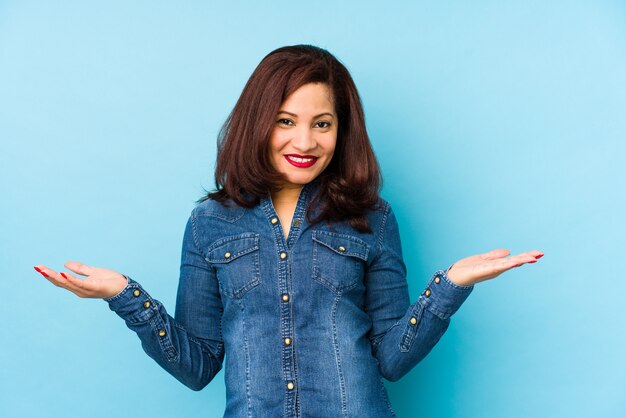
x=292, y=269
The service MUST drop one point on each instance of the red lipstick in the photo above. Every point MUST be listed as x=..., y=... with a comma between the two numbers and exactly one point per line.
x=301, y=164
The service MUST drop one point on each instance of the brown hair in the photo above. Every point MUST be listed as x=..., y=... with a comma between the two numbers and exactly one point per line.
x=349, y=185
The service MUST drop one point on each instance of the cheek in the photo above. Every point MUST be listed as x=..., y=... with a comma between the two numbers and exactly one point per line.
x=329, y=146
x=277, y=142
x=274, y=146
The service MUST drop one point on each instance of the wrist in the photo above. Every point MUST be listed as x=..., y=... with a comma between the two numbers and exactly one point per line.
x=456, y=280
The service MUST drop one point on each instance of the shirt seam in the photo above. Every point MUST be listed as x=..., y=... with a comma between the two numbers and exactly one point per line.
x=383, y=224
x=194, y=234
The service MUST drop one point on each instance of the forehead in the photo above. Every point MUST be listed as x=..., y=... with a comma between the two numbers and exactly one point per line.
x=310, y=97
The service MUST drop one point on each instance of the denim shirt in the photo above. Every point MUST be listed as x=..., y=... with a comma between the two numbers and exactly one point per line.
x=308, y=326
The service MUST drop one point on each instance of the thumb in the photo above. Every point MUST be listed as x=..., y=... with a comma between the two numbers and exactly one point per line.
x=80, y=268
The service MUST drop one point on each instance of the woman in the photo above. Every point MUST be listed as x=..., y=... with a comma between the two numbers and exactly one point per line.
x=292, y=269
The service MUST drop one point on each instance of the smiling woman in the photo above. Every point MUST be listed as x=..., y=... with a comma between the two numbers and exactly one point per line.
x=292, y=273
x=300, y=100
x=301, y=130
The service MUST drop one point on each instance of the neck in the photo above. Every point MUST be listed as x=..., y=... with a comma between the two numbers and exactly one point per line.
x=287, y=195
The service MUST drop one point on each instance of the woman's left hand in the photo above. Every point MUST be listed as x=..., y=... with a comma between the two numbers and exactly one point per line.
x=481, y=267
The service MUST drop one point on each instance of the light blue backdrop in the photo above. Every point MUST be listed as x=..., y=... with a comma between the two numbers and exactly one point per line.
x=497, y=124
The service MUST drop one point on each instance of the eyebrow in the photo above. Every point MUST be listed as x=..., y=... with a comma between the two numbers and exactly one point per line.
x=314, y=117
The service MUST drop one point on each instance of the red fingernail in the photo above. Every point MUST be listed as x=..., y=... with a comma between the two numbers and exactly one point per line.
x=532, y=261
x=63, y=274
x=538, y=256
x=42, y=273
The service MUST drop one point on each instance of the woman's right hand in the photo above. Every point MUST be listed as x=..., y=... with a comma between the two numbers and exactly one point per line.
x=99, y=283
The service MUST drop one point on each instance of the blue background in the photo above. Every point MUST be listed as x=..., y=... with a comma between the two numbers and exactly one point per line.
x=497, y=124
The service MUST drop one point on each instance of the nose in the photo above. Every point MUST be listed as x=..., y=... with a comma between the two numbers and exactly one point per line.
x=304, y=139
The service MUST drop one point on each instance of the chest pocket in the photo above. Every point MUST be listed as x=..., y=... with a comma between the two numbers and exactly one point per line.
x=338, y=259
x=236, y=261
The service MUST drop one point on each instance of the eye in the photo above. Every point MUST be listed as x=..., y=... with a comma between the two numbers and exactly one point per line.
x=324, y=124
x=284, y=121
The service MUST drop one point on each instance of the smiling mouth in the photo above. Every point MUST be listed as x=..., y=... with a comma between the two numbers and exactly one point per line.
x=301, y=161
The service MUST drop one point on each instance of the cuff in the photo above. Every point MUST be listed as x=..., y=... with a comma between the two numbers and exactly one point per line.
x=442, y=296
x=133, y=303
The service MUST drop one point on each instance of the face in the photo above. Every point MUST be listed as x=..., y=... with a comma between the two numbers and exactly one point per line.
x=304, y=136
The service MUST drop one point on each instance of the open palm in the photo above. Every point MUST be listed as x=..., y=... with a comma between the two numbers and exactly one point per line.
x=481, y=267
x=98, y=283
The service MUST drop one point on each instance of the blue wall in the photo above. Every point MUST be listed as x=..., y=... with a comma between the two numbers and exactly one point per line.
x=497, y=124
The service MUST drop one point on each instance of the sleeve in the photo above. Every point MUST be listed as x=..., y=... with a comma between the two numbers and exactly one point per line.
x=403, y=334
x=189, y=347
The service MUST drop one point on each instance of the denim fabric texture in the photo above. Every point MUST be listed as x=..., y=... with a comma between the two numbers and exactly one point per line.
x=306, y=326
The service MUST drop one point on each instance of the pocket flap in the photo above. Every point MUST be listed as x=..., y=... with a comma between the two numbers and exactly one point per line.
x=230, y=248
x=342, y=244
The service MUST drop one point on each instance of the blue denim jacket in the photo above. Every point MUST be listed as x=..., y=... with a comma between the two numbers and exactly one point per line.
x=308, y=326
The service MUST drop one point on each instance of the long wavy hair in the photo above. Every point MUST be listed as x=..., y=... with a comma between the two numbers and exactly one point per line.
x=350, y=184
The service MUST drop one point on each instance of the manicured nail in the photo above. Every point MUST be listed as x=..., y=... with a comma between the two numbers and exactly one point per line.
x=41, y=271
x=63, y=274
x=538, y=256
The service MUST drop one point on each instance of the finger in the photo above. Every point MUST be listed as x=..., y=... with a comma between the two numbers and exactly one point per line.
x=79, y=268
x=495, y=254
x=57, y=279
x=522, y=259
x=49, y=274
x=530, y=256
x=77, y=283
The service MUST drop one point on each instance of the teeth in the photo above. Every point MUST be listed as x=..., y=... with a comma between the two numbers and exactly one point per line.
x=300, y=160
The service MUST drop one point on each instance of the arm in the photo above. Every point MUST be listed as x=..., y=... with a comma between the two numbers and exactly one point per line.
x=402, y=333
x=189, y=347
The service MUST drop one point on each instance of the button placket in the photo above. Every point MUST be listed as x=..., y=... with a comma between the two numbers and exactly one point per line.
x=283, y=244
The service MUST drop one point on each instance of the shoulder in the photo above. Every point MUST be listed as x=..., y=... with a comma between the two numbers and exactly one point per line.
x=212, y=220
x=383, y=223
x=377, y=216
x=228, y=211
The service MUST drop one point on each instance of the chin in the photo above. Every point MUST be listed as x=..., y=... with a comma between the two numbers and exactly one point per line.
x=299, y=181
